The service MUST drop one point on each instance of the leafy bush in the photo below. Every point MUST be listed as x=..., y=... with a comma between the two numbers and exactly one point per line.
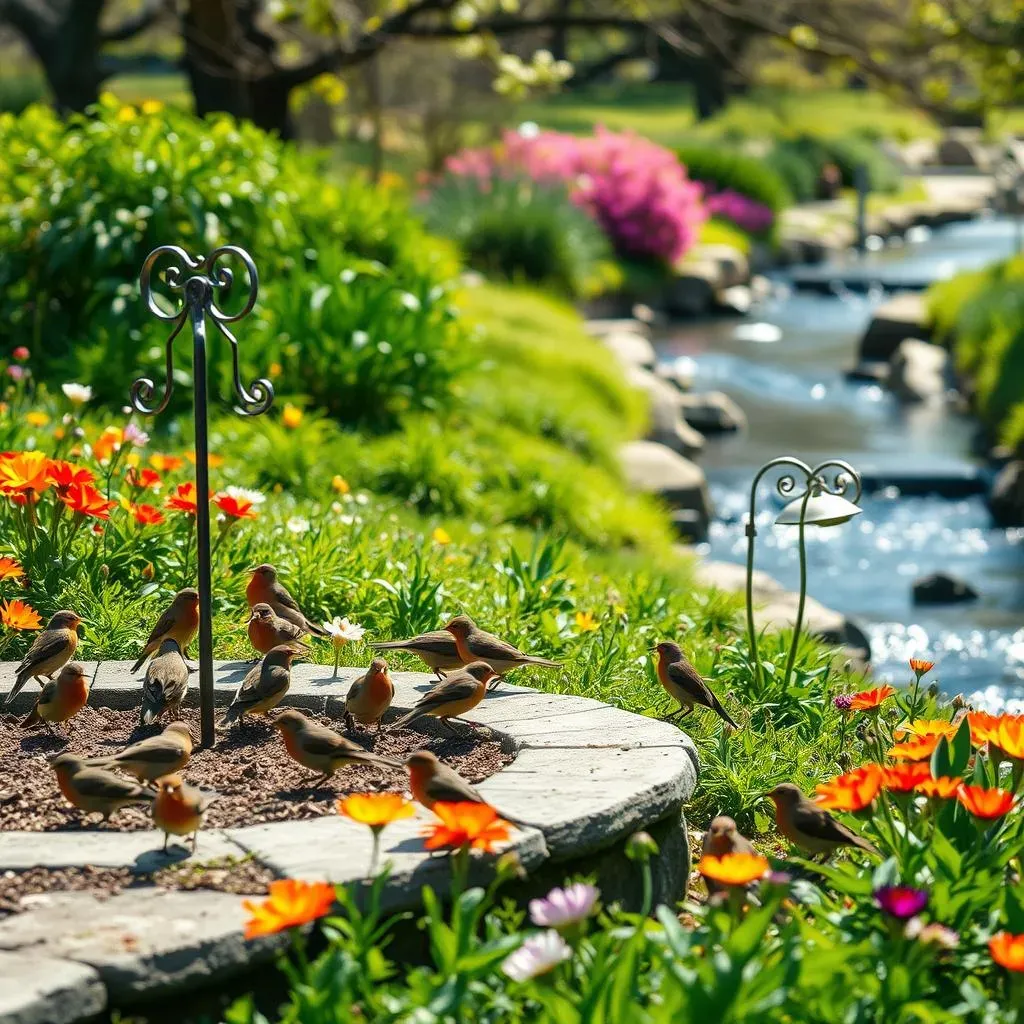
x=848, y=152
x=728, y=169
x=520, y=230
x=795, y=168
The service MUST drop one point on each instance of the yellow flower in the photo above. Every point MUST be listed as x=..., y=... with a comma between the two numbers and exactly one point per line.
x=292, y=416
x=276, y=369
x=152, y=106
x=37, y=419
x=441, y=536
x=340, y=484
x=585, y=622
x=126, y=114
x=59, y=434
x=133, y=459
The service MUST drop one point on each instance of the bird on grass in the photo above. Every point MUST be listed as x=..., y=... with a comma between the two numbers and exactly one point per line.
x=474, y=643
x=455, y=695
x=178, y=808
x=723, y=837
x=61, y=698
x=370, y=696
x=95, y=790
x=811, y=827
x=153, y=757
x=264, y=588
x=179, y=621
x=684, y=684
x=321, y=749
x=166, y=682
x=436, y=650
x=263, y=688
x=268, y=630
x=51, y=650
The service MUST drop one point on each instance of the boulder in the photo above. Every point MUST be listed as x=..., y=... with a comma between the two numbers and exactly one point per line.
x=961, y=150
x=917, y=371
x=691, y=292
x=652, y=468
x=1006, y=502
x=667, y=425
x=630, y=348
x=733, y=265
x=679, y=373
x=874, y=372
x=942, y=588
x=712, y=412
x=904, y=316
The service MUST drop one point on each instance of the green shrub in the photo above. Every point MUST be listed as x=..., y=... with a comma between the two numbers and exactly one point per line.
x=796, y=169
x=723, y=167
x=519, y=230
x=848, y=152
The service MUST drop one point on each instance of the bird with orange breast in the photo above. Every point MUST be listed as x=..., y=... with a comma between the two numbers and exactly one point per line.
x=263, y=688
x=809, y=826
x=95, y=790
x=476, y=644
x=264, y=588
x=61, y=698
x=178, y=808
x=370, y=696
x=722, y=837
x=684, y=683
x=179, y=621
x=457, y=695
x=51, y=650
x=432, y=782
x=267, y=629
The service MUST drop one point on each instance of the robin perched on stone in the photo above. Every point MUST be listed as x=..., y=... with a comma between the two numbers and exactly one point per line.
x=180, y=621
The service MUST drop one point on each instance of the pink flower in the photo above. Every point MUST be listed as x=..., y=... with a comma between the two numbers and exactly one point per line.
x=135, y=435
x=21, y=353
x=563, y=907
x=16, y=372
x=900, y=901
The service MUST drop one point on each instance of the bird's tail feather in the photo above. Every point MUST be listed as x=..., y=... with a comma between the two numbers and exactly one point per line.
x=316, y=629
x=390, y=645
x=542, y=662
x=149, y=714
x=142, y=660
x=408, y=718
x=229, y=717
x=15, y=690
x=716, y=704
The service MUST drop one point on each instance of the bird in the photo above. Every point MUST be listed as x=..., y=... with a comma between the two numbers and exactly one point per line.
x=95, y=790
x=178, y=808
x=683, y=683
x=809, y=826
x=723, y=837
x=268, y=630
x=432, y=782
x=179, y=621
x=321, y=749
x=166, y=682
x=61, y=698
x=370, y=695
x=474, y=643
x=153, y=757
x=455, y=695
x=436, y=650
x=264, y=589
x=264, y=687
x=50, y=651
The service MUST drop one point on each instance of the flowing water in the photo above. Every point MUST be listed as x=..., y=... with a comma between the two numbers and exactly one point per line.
x=783, y=364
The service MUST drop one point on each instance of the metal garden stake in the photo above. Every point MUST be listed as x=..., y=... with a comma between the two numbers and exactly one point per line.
x=198, y=280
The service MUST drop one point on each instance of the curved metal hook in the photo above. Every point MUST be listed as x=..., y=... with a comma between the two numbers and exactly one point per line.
x=222, y=277
x=843, y=477
x=261, y=397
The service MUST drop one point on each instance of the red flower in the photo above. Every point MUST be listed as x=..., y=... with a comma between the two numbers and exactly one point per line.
x=237, y=508
x=184, y=499
x=984, y=727
x=904, y=778
x=64, y=474
x=85, y=500
x=986, y=804
x=146, y=515
x=10, y=569
x=867, y=700
x=851, y=792
x=142, y=479
x=21, y=353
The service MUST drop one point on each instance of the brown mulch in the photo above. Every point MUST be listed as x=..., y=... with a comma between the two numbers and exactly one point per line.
x=248, y=766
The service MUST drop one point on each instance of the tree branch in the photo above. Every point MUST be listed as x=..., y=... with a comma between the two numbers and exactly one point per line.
x=147, y=15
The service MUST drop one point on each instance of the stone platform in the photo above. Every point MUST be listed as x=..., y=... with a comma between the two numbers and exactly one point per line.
x=585, y=775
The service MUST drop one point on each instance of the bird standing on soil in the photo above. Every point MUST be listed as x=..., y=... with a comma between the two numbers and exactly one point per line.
x=456, y=695
x=166, y=683
x=179, y=621
x=264, y=687
x=268, y=630
x=321, y=749
x=95, y=790
x=809, y=826
x=264, y=589
x=61, y=698
x=474, y=644
x=683, y=683
x=153, y=757
x=50, y=651
x=179, y=808
x=432, y=782
x=723, y=837
x=370, y=695
x=436, y=649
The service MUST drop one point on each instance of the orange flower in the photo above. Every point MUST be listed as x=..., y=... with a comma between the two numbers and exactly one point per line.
x=166, y=463
x=853, y=791
x=18, y=615
x=289, y=902
x=916, y=749
x=146, y=515
x=85, y=500
x=983, y=727
x=64, y=474
x=143, y=479
x=291, y=416
x=943, y=787
x=903, y=778
x=24, y=471
x=928, y=727
x=1007, y=950
x=734, y=868
x=107, y=443
x=375, y=809
x=866, y=700
x=1009, y=736
x=237, y=508
x=184, y=499
x=465, y=824
x=985, y=803
x=213, y=460
x=919, y=666
x=9, y=569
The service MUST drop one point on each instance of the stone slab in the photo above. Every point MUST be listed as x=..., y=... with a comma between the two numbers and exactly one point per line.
x=48, y=990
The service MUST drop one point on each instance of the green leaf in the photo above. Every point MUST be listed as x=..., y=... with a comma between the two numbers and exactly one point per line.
x=942, y=759
x=1013, y=903
x=961, y=749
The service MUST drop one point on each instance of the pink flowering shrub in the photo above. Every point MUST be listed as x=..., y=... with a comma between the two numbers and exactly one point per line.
x=747, y=214
x=636, y=190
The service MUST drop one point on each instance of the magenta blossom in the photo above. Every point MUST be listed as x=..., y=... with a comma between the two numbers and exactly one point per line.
x=844, y=701
x=746, y=213
x=563, y=907
x=901, y=901
x=16, y=372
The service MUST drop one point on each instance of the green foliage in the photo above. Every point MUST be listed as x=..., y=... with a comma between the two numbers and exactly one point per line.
x=796, y=169
x=721, y=232
x=726, y=167
x=848, y=152
x=521, y=231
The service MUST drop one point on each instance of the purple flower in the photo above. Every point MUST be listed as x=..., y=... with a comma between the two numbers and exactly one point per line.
x=16, y=372
x=537, y=955
x=563, y=907
x=844, y=701
x=901, y=901
x=135, y=435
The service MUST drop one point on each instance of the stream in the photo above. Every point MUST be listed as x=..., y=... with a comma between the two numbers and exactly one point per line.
x=784, y=365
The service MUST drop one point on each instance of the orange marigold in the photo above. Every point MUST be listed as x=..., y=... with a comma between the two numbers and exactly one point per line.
x=1007, y=950
x=903, y=778
x=983, y=727
x=18, y=615
x=375, y=809
x=85, y=500
x=24, y=471
x=916, y=749
x=927, y=727
x=146, y=515
x=920, y=667
x=166, y=463
x=10, y=569
x=465, y=824
x=1009, y=736
x=866, y=700
x=142, y=479
x=943, y=787
x=851, y=792
x=236, y=508
x=107, y=443
x=986, y=804
x=184, y=499
x=289, y=902
x=734, y=868
x=64, y=474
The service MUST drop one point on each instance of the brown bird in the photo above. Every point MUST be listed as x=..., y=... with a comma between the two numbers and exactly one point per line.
x=50, y=651
x=179, y=808
x=455, y=695
x=370, y=695
x=264, y=687
x=61, y=698
x=179, y=621
x=166, y=683
x=267, y=630
x=809, y=826
x=321, y=749
x=436, y=649
x=431, y=782
x=722, y=837
x=683, y=683
x=95, y=790
x=474, y=644
x=153, y=757
x=264, y=589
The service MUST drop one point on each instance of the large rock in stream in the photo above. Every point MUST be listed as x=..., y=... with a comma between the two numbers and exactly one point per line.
x=903, y=316
x=651, y=468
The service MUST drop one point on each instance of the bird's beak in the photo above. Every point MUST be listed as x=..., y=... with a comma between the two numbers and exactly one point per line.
x=492, y=683
x=251, y=568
